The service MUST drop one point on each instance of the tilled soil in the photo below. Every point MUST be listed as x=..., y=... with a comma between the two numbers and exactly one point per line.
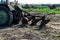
x=28, y=34
x=17, y=32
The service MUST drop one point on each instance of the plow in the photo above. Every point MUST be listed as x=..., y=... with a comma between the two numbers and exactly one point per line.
x=11, y=13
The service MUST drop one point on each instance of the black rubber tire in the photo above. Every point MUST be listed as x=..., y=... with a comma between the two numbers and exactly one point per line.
x=9, y=14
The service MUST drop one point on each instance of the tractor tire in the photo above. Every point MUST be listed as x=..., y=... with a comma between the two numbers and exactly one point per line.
x=6, y=17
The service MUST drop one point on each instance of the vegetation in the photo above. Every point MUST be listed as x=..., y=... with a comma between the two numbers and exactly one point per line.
x=39, y=8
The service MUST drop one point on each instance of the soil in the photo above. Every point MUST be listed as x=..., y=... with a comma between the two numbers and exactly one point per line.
x=16, y=32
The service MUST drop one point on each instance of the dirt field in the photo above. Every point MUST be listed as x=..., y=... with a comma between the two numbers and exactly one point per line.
x=16, y=32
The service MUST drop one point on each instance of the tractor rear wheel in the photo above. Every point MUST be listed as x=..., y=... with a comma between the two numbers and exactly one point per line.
x=6, y=16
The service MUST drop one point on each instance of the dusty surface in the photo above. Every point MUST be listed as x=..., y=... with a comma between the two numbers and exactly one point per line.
x=55, y=22
x=28, y=34
x=16, y=32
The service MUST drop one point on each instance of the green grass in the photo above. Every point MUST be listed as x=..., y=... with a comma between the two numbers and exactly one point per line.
x=46, y=9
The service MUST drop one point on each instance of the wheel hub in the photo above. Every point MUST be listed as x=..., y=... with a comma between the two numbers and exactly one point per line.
x=3, y=17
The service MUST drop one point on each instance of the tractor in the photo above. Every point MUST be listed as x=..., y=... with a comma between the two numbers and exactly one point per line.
x=9, y=12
